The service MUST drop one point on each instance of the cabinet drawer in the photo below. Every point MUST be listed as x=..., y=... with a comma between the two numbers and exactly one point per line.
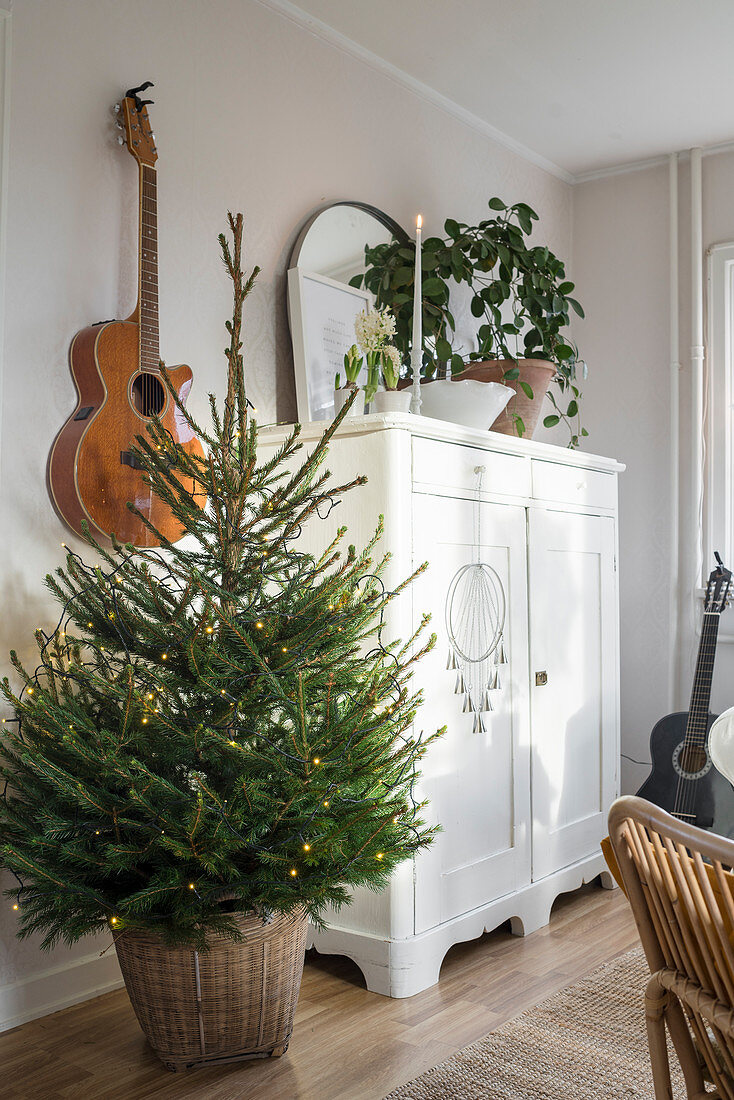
x=452, y=466
x=555, y=481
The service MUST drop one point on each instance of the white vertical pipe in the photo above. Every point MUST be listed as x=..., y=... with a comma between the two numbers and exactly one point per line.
x=697, y=351
x=674, y=434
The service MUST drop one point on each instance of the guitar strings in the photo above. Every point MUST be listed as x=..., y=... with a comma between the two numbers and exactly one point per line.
x=149, y=355
x=697, y=724
x=683, y=792
x=695, y=736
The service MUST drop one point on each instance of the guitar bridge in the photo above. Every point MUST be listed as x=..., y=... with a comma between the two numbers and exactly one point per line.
x=127, y=458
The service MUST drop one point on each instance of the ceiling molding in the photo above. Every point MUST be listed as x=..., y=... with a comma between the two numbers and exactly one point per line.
x=335, y=38
x=650, y=162
x=621, y=169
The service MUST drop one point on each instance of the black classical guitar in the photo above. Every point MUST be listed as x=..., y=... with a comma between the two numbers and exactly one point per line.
x=683, y=780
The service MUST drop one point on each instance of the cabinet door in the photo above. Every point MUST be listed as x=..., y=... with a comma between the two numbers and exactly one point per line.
x=574, y=677
x=477, y=784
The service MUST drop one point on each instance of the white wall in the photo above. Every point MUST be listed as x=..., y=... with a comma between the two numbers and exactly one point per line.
x=621, y=265
x=252, y=113
x=620, y=268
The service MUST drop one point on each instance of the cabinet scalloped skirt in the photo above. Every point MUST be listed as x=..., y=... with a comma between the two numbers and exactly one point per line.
x=232, y=1002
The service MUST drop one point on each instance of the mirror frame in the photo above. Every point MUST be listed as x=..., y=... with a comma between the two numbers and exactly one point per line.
x=293, y=291
x=379, y=215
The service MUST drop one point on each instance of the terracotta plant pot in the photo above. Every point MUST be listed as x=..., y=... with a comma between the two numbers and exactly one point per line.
x=538, y=373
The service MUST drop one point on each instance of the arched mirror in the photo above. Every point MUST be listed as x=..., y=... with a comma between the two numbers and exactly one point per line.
x=322, y=306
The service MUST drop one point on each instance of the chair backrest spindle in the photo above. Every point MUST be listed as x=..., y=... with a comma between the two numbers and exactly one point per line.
x=681, y=891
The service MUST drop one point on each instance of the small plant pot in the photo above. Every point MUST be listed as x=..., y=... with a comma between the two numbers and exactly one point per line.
x=340, y=400
x=538, y=373
x=389, y=401
x=233, y=1002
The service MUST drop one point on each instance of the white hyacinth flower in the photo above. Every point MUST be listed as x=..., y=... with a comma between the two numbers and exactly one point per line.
x=373, y=328
x=391, y=366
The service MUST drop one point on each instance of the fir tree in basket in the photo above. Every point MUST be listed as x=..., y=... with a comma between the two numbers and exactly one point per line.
x=216, y=729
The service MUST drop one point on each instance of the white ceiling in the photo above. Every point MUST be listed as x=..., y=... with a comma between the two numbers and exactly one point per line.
x=582, y=84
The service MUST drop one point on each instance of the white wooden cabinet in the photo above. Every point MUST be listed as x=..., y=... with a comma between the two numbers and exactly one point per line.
x=573, y=641
x=523, y=805
x=478, y=785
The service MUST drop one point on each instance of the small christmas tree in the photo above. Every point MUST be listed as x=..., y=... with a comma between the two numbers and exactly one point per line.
x=216, y=726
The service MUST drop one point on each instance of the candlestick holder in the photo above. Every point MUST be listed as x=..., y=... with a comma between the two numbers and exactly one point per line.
x=415, y=399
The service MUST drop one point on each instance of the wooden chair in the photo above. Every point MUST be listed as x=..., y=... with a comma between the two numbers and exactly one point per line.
x=682, y=895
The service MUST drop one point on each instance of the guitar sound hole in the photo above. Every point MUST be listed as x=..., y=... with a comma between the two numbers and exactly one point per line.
x=148, y=394
x=693, y=759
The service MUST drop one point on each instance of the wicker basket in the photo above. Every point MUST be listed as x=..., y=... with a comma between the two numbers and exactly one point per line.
x=231, y=1002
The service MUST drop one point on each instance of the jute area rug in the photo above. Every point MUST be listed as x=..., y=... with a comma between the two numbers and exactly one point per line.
x=584, y=1043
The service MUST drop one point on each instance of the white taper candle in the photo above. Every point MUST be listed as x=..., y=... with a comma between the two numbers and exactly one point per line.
x=417, y=349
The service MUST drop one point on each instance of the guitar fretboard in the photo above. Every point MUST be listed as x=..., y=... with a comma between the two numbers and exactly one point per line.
x=148, y=289
x=696, y=728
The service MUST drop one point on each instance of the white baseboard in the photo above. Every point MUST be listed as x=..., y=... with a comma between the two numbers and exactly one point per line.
x=58, y=987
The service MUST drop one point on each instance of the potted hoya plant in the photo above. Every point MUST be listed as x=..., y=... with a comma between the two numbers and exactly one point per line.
x=520, y=299
x=215, y=742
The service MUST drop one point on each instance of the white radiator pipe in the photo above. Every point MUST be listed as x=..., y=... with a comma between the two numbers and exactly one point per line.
x=697, y=355
x=674, y=435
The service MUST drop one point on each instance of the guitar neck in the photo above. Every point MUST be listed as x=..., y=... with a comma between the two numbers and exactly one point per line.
x=698, y=711
x=148, y=270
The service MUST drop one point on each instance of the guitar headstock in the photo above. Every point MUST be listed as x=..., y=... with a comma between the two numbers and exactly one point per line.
x=139, y=136
x=718, y=588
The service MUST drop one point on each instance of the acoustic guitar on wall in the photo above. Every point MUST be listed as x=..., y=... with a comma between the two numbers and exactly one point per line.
x=92, y=469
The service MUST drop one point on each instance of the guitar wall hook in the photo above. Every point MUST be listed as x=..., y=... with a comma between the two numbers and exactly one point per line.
x=134, y=94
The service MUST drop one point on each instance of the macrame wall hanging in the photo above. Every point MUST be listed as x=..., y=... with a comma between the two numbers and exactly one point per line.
x=475, y=622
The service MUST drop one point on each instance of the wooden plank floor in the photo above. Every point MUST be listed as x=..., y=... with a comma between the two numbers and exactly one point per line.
x=347, y=1043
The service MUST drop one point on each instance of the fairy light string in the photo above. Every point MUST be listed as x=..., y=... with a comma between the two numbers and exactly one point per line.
x=380, y=650
x=161, y=709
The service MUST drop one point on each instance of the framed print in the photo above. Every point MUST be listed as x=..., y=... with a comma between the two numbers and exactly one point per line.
x=322, y=315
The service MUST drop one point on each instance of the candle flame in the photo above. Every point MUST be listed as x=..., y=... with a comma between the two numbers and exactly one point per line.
x=419, y=221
